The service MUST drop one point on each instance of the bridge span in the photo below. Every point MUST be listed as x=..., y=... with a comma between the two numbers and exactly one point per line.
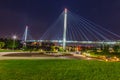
x=79, y=42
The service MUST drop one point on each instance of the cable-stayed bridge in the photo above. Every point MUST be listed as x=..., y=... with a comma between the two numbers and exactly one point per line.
x=72, y=28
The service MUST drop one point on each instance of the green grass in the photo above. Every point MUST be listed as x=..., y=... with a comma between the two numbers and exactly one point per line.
x=8, y=50
x=58, y=70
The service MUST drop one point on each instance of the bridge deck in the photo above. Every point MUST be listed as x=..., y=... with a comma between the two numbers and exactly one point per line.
x=81, y=42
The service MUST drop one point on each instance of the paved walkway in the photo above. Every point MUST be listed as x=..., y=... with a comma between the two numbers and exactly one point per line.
x=75, y=56
x=2, y=57
x=4, y=53
x=30, y=58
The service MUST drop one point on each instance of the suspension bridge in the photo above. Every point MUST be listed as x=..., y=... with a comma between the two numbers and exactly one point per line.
x=72, y=28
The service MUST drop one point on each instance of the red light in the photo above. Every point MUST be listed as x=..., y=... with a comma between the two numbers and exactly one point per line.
x=65, y=10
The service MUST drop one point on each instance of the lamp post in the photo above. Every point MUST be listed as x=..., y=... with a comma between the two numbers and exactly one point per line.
x=14, y=38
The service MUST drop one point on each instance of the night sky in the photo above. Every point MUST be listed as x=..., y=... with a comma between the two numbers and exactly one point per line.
x=40, y=14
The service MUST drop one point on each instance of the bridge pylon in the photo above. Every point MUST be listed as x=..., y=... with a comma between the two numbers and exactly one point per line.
x=65, y=28
x=25, y=37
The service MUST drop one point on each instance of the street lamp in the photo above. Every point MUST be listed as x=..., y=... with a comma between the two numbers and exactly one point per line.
x=14, y=38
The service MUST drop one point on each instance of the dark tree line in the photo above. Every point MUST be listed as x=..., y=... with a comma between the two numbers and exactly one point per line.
x=8, y=43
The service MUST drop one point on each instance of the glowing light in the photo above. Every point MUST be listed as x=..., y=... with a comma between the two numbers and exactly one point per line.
x=66, y=10
x=106, y=60
x=14, y=37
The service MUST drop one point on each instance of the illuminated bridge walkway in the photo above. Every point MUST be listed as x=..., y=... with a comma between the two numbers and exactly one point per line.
x=72, y=28
x=79, y=42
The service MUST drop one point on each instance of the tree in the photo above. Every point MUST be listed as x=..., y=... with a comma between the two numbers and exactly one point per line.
x=9, y=44
x=106, y=49
x=116, y=48
x=2, y=44
x=47, y=46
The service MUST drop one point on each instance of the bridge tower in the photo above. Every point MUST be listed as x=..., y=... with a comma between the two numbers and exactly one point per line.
x=65, y=28
x=25, y=37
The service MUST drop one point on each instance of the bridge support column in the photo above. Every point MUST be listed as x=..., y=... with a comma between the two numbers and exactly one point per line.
x=65, y=28
x=25, y=39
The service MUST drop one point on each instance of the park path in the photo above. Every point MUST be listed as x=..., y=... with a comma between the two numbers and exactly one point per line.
x=30, y=58
x=75, y=56
x=2, y=57
x=5, y=53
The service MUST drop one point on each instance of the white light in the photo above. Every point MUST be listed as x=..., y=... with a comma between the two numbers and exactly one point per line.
x=14, y=37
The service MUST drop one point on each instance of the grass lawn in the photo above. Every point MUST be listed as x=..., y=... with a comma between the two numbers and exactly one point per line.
x=58, y=70
x=5, y=50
